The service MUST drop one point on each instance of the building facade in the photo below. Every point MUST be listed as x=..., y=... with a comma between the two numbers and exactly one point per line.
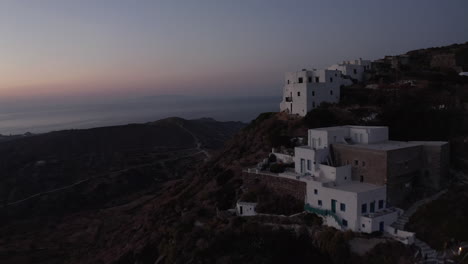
x=307, y=89
x=355, y=69
x=375, y=159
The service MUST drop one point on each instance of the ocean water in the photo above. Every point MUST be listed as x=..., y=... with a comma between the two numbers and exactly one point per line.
x=46, y=117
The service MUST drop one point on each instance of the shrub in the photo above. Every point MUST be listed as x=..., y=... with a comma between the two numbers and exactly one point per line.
x=277, y=168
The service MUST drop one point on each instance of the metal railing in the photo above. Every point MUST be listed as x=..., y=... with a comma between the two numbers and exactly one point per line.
x=322, y=212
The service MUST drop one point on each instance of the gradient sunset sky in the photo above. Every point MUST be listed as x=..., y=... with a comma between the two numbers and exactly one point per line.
x=116, y=47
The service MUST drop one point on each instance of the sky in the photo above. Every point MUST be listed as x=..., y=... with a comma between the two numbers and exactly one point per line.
x=108, y=48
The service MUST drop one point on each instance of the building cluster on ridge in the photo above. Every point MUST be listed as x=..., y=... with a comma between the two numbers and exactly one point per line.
x=306, y=89
x=354, y=176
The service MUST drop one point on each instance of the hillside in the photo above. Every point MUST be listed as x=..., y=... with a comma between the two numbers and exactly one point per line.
x=148, y=193
x=54, y=186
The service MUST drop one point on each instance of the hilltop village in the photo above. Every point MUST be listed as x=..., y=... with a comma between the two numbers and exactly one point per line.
x=353, y=177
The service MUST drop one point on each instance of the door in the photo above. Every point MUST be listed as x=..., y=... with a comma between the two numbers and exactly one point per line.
x=381, y=226
x=302, y=165
x=333, y=206
x=241, y=210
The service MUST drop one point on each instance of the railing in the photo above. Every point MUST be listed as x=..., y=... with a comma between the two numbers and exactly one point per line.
x=323, y=212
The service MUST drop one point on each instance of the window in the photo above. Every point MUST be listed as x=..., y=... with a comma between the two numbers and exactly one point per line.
x=344, y=222
x=308, y=165
x=319, y=202
x=316, y=79
x=347, y=162
x=363, y=225
x=313, y=104
x=361, y=178
x=301, y=80
x=372, y=207
x=335, y=75
x=331, y=92
x=381, y=204
x=342, y=207
x=331, y=79
x=288, y=81
x=309, y=79
x=363, y=163
x=315, y=191
x=354, y=71
x=363, y=208
x=298, y=93
x=356, y=162
x=313, y=93
x=319, y=142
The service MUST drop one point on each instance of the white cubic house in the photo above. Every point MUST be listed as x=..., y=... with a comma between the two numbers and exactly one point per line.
x=330, y=190
x=354, y=68
x=305, y=90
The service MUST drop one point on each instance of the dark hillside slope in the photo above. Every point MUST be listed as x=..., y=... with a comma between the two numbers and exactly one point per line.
x=42, y=162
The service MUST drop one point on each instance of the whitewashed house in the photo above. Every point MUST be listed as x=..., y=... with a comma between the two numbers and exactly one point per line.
x=307, y=89
x=245, y=208
x=330, y=189
x=354, y=68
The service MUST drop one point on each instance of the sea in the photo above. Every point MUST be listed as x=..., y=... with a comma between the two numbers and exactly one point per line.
x=20, y=118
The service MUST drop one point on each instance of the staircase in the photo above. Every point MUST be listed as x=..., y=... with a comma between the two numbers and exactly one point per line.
x=404, y=218
x=428, y=255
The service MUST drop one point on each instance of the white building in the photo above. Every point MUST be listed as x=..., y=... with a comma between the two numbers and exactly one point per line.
x=305, y=90
x=245, y=208
x=354, y=68
x=331, y=192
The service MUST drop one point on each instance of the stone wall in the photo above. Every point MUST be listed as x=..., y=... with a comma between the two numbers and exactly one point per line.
x=398, y=168
x=368, y=165
x=281, y=186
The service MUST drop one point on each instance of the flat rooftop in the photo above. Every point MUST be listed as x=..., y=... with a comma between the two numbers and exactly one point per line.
x=335, y=128
x=385, y=145
x=357, y=187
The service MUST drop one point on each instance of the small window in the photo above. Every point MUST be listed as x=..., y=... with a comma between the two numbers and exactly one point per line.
x=361, y=178
x=342, y=207
x=356, y=162
x=301, y=80
x=363, y=225
x=309, y=79
x=354, y=71
x=372, y=207
x=335, y=75
x=288, y=81
x=313, y=93
x=363, y=208
x=298, y=93
x=331, y=92
x=316, y=79
x=308, y=165
x=347, y=162
x=319, y=202
x=331, y=79
x=313, y=104
x=315, y=191
x=363, y=163
x=381, y=204
x=344, y=223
